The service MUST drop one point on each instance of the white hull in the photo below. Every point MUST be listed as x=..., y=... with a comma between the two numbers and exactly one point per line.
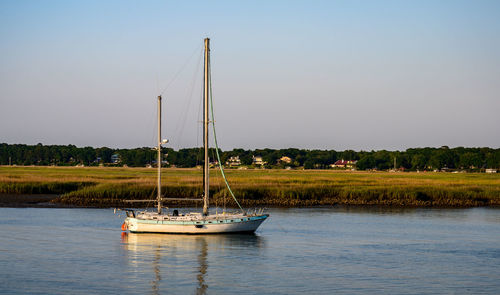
x=214, y=225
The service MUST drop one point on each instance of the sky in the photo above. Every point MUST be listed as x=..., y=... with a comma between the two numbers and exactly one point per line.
x=361, y=75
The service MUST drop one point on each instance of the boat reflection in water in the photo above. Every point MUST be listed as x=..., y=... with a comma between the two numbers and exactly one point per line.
x=184, y=263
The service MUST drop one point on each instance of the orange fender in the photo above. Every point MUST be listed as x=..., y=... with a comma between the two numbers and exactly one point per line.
x=124, y=226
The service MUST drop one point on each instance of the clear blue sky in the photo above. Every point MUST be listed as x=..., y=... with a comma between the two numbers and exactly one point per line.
x=307, y=74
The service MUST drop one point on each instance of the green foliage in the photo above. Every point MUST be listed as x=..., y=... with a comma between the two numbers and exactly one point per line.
x=411, y=159
x=366, y=162
x=418, y=162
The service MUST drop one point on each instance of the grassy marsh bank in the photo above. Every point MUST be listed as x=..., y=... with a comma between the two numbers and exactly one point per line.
x=107, y=187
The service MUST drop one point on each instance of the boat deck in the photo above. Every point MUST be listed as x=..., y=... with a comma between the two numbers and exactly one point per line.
x=197, y=218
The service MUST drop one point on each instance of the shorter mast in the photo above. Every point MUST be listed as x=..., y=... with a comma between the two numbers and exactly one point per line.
x=158, y=197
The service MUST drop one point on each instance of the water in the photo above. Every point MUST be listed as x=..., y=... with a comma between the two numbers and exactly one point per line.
x=296, y=251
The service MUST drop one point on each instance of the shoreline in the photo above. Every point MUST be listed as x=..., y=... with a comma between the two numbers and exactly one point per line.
x=46, y=201
x=30, y=201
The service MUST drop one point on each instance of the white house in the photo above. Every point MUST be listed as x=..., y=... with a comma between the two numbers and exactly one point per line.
x=285, y=159
x=343, y=164
x=257, y=160
x=234, y=161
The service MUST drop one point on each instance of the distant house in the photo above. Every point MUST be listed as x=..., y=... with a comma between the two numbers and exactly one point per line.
x=343, y=164
x=257, y=160
x=115, y=158
x=285, y=159
x=490, y=170
x=234, y=161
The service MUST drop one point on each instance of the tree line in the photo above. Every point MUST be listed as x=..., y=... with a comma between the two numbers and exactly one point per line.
x=427, y=158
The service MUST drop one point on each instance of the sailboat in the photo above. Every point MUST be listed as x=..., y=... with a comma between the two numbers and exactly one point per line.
x=194, y=222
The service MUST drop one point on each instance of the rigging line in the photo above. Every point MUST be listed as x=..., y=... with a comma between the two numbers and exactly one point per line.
x=181, y=69
x=179, y=130
x=219, y=184
x=217, y=172
x=149, y=204
x=198, y=117
x=153, y=126
x=198, y=136
x=215, y=137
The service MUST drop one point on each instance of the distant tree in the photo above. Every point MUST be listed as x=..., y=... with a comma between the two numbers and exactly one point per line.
x=246, y=159
x=493, y=159
x=418, y=161
x=443, y=157
x=299, y=160
x=470, y=160
x=367, y=161
x=271, y=157
x=349, y=155
x=383, y=160
x=308, y=164
x=415, y=158
x=104, y=154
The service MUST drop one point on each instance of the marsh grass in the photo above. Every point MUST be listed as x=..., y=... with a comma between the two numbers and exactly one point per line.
x=105, y=187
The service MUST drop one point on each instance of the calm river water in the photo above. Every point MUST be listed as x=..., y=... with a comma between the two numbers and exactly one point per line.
x=296, y=251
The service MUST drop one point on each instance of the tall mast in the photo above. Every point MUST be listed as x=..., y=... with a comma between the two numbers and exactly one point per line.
x=158, y=161
x=205, y=127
